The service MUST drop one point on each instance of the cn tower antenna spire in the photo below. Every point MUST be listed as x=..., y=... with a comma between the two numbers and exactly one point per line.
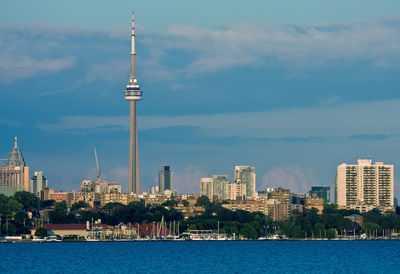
x=133, y=33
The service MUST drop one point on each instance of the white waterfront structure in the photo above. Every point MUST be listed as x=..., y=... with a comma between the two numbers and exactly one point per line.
x=133, y=93
x=365, y=185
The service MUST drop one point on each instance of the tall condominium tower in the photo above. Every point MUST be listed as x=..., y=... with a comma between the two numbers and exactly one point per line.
x=220, y=186
x=206, y=187
x=37, y=182
x=15, y=176
x=133, y=93
x=364, y=184
x=164, y=179
x=247, y=175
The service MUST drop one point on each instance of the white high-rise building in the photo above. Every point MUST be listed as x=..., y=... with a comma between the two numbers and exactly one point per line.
x=247, y=175
x=365, y=184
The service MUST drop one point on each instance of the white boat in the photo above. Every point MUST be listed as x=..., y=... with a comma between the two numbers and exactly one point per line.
x=38, y=240
x=51, y=239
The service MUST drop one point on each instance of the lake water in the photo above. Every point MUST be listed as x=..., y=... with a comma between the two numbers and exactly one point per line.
x=202, y=257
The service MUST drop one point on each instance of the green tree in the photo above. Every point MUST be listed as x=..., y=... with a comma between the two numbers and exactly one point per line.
x=78, y=205
x=28, y=200
x=41, y=232
x=170, y=203
x=185, y=203
x=203, y=201
x=249, y=232
x=8, y=228
x=331, y=233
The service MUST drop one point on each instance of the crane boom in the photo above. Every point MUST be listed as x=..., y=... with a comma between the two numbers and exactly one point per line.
x=97, y=164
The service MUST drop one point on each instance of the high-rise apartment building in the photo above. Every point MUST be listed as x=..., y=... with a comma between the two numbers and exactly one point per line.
x=165, y=179
x=15, y=175
x=364, y=184
x=37, y=182
x=247, y=175
x=206, y=187
x=236, y=191
x=220, y=186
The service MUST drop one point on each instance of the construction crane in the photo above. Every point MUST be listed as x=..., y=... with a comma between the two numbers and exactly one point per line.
x=97, y=165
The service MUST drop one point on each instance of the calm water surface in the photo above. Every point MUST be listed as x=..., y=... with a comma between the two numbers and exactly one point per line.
x=202, y=257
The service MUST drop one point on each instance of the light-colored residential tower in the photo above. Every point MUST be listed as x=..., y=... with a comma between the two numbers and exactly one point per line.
x=247, y=175
x=364, y=184
x=206, y=187
x=133, y=93
x=237, y=191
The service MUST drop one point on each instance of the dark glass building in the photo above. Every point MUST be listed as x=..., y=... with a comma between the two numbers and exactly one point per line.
x=165, y=179
x=322, y=192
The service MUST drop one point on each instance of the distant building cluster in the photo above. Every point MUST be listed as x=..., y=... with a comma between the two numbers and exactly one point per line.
x=242, y=188
x=362, y=186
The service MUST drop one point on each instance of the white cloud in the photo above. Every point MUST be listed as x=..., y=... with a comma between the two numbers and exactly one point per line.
x=188, y=179
x=291, y=45
x=297, y=179
x=19, y=67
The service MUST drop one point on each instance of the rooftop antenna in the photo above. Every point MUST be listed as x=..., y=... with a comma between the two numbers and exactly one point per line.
x=97, y=165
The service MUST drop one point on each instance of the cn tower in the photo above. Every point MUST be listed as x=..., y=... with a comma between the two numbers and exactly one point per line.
x=133, y=93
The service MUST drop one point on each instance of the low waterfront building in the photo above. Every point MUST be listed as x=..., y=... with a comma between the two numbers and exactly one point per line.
x=91, y=198
x=50, y=194
x=250, y=206
x=190, y=211
x=100, y=186
x=356, y=218
x=314, y=202
x=64, y=230
x=122, y=198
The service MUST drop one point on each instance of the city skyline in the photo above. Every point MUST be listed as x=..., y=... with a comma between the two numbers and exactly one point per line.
x=306, y=94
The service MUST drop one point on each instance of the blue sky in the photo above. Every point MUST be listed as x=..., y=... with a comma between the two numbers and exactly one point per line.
x=293, y=88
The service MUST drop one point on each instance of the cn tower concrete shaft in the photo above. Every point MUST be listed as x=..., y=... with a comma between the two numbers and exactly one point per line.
x=133, y=93
x=134, y=179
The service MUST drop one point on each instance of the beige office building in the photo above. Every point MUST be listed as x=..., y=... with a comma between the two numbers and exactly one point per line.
x=364, y=184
